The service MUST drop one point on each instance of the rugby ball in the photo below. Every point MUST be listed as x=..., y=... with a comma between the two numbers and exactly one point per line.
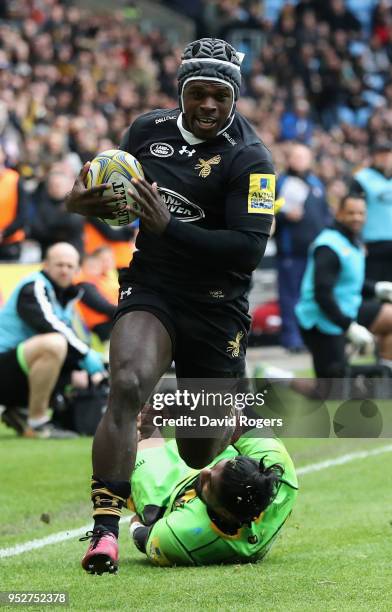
x=117, y=168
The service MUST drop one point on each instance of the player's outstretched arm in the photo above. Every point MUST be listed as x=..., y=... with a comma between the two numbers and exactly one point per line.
x=90, y=202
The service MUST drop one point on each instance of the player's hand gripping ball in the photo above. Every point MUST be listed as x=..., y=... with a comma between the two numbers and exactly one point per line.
x=116, y=168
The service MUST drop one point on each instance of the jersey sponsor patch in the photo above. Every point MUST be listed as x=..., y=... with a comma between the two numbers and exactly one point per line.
x=229, y=139
x=179, y=206
x=261, y=194
x=165, y=118
x=161, y=149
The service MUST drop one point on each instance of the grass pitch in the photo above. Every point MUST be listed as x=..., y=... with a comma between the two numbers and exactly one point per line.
x=334, y=553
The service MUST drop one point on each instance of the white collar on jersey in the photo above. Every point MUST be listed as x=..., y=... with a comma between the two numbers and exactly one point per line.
x=186, y=134
x=190, y=138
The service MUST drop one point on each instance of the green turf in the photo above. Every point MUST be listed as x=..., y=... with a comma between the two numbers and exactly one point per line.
x=334, y=554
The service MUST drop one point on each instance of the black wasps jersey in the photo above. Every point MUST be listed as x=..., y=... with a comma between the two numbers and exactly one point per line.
x=226, y=183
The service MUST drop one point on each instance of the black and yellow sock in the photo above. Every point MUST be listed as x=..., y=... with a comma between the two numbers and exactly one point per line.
x=109, y=496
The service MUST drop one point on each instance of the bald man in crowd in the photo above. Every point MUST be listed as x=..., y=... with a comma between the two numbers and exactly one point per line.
x=37, y=343
x=304, y=214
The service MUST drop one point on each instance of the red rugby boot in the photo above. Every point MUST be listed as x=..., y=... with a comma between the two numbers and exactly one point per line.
x=102, y=553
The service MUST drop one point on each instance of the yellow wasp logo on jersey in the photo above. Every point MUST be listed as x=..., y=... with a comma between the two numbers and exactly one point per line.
x=205, y=165
x=261, y=195
x=235, y=345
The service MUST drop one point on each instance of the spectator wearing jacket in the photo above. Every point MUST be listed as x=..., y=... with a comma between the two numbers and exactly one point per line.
x=336, y=303
x=12, y=211
x=296, y=123
x=375, y=183
x=37, y=341
x=304, y=214
x=51, y=222
x=97, y=305
x=120, y=240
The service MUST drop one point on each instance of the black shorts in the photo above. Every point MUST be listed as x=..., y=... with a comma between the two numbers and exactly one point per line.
x=14, y=388
x=368, y=312
x=209, y=340
x=328, y=352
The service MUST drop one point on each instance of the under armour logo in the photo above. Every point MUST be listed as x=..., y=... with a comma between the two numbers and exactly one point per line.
x=184, y=149
x=126, y=292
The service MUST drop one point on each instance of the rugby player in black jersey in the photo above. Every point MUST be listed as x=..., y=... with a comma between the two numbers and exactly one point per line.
x=207, y=207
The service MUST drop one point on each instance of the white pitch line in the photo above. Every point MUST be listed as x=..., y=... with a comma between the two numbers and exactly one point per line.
x=61, y=536
x=324, y=465
x=54, y=538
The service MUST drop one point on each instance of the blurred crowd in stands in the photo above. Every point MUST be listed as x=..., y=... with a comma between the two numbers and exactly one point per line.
x=318, y=73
